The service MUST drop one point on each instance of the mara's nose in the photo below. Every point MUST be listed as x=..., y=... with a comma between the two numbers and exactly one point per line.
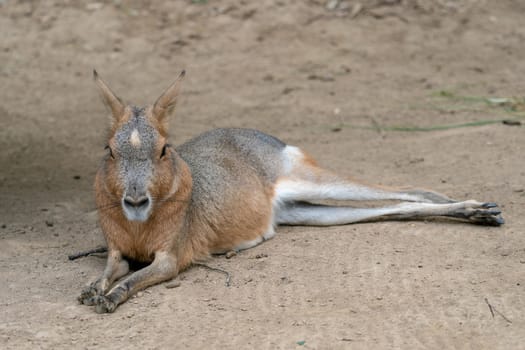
x=137, y=203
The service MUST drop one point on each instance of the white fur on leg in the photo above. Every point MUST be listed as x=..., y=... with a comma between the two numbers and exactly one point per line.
x=321, y=215
x=299, y=190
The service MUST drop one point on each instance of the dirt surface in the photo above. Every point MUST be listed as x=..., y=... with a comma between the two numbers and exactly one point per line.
x=331, y=77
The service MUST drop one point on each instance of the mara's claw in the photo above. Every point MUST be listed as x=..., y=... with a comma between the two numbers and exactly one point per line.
x=494, y=212
x=489, y=205
x=87, y=295
x=488, y=220
x=90, y=301
x=499, y=220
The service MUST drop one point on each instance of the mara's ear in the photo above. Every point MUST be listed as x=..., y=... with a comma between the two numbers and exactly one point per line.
x=110, y=99
x=166, y=102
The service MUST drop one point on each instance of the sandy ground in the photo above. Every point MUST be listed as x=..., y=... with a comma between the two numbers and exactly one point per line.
x=326, y=76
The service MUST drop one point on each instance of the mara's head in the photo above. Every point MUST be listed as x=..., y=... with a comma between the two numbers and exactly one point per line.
x=138, y=167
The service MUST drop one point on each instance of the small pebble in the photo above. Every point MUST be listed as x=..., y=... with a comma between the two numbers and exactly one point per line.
x=230, y=254
x=512, y=122
x=172, y=284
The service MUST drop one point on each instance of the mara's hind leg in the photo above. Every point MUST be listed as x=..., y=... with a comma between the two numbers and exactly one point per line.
x=303, y=213
x=303, y=180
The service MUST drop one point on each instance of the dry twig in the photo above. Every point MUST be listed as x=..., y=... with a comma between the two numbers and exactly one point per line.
x=493, y=311
x=226, y=273
x=87, y=253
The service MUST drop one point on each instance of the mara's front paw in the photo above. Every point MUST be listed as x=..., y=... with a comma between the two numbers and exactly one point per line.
x=88, y=294
x=104, y=305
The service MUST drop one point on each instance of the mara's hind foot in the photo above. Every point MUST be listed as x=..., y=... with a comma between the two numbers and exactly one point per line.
x=487, y=213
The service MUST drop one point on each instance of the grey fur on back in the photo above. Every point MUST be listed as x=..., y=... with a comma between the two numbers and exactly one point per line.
x=222, y=160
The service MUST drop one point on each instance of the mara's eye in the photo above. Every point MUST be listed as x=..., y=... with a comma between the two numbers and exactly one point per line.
x=163, y=153
x=110, y=152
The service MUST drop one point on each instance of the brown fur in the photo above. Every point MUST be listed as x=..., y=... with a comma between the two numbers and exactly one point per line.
x=138, y=240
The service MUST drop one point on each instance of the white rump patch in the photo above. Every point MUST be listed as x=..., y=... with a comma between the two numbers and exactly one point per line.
x=291, y=156
x=134, y=139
